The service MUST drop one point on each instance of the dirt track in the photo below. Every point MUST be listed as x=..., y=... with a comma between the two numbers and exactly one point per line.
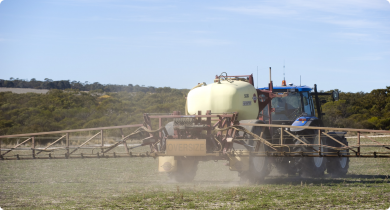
x=23, y=90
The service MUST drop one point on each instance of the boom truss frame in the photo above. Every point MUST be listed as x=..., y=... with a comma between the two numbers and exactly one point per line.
x=223, y=128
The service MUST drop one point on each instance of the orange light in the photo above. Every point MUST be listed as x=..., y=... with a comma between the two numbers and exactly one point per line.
x=284, y=83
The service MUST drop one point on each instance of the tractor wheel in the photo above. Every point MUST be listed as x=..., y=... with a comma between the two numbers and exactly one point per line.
x=259, y=167
x=311, y=166
x=185, y=171
x=286, y=165
x=338, y=166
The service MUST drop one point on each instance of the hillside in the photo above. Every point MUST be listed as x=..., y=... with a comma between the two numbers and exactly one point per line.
x=72, y=109
x=60, y=110
x=74, y=85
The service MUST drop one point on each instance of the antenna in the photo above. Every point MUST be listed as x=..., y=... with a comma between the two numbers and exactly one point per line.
x=270, y=81
x=257, y=83
x=284, y=78
x=300, y=80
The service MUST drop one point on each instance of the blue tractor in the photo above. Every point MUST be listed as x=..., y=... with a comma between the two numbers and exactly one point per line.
x=301, y=106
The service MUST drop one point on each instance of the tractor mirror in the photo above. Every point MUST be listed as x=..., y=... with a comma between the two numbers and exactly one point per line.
x=335, y=95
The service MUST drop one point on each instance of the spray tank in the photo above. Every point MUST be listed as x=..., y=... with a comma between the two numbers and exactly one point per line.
x=225, y=95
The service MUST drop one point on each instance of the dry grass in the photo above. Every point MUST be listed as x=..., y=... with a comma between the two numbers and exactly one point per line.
x=135, y=183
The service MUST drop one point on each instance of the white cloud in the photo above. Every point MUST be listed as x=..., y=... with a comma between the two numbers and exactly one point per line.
x=167, y=7
x=356, y=37
x=211, y=42
x=293, y=7
x=352, y=35
x=102, y=19
x=366, y=58
x=1, y=1
x=156, y=19
x=108, y=38
x=351, y=23
x=371, y=56
x=342, y=7
x=199, y=32
x=128, y=19
x=346, y=13
x=259, y=10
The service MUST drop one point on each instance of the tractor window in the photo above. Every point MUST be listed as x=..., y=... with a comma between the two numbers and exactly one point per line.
x=287, y=107
x=307, y=104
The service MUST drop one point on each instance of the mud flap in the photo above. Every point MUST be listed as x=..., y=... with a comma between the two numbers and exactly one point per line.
x=167, y=164
x=239, y=163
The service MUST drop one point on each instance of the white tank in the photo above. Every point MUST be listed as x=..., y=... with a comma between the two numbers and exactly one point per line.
x=227, y=97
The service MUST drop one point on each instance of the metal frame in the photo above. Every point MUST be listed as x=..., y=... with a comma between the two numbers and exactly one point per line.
x=222, y=121
x=356, y=149
x=67, y=148
x=221, y=132
x=223, y=129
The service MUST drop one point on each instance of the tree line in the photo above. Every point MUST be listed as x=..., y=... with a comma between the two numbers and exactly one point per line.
x=74, y=109
x=359, y=110
x=63, y=110
x=76, y=85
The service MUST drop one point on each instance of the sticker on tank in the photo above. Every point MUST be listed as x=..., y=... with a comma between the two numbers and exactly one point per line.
x=246, y=103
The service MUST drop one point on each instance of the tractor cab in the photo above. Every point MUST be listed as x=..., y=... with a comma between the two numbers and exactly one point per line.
x=294, y=105
x=291, y=104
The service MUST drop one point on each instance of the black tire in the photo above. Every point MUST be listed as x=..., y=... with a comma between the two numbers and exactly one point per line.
x=259, y=167
x=310, y=166
x=285, y=165
x=186, y=169
x=338, y=166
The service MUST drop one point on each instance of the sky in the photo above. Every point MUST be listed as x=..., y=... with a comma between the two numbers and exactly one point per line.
x=335, y=44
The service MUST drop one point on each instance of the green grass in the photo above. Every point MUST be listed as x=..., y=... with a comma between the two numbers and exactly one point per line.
x=293, y=195
x=126, y=183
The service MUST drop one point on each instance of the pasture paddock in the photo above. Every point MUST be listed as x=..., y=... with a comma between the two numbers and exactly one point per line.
x=135, y=183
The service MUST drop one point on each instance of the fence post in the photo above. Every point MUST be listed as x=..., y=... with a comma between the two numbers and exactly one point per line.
x=319, y=142
x=124, y=142
x=159, y=126
x=67, y=145
x=208, y=112
x=358, y=143
x=102, y=141
x=33, y=146
x=281, y=136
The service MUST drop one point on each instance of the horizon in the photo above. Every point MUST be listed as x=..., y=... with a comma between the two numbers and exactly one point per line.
x=88, y=83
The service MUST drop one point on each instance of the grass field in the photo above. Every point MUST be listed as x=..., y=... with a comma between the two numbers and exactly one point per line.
x=126, y=183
